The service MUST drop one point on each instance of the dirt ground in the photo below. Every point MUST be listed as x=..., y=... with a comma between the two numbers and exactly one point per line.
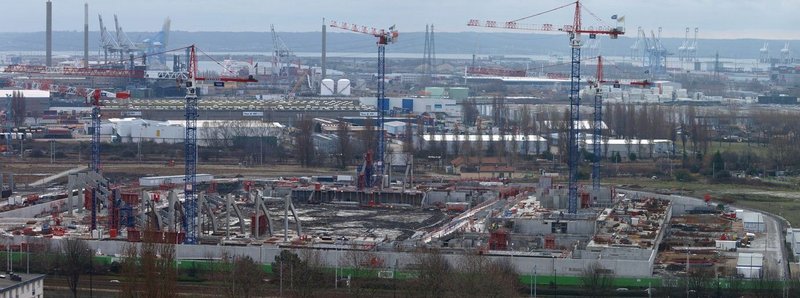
x=30, y=170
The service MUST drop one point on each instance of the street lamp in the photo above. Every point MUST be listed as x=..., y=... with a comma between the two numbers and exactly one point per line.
x=533, y=282
x=91, y=272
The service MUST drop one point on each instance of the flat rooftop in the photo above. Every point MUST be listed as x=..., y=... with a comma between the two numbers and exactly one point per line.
x=631, y=223
x=240, y=104
x=7, y=284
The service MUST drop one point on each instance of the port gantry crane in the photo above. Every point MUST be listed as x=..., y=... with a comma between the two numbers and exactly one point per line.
x=575, y=31
x=385, y=37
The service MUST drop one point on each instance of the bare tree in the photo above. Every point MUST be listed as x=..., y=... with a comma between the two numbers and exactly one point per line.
x=168, y=272
x=19, y=108
x=158, y=268
x=76, y=256
x=43, y=257
x=435, y=273
x=596, y=280
x=243, y=277
x=345, y=151
x=369, y=136
x=359, y=262
x=470, y=111
x=526, y=126
x=310, y=275
x=698, y=281
x=408, y=143
x=304, y=140
x=478, y=276
x=130, y=271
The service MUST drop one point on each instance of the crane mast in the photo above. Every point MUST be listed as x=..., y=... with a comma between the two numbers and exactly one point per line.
x=95, y=166
x=598, y=126
x=190, y=152
x=385, y=37
x=575, y=30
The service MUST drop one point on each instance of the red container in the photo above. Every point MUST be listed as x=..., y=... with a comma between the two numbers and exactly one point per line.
x=112, y=233
x=134, y=235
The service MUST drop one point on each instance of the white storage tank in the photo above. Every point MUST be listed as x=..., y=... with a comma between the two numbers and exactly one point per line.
x=327, y=87
x=343, y=85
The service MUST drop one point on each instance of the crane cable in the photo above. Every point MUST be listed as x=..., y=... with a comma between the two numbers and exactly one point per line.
x=544, y=12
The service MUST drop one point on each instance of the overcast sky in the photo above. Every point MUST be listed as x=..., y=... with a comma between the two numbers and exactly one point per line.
x=767, y=19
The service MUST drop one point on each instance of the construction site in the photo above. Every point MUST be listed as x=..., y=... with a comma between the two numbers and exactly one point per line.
x=169, y=143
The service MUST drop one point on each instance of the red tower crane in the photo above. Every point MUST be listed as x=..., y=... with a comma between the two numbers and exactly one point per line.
x=385, y=37
x=575, y=30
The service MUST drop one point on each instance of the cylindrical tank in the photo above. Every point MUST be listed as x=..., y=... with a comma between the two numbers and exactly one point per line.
x=343, y=87
x=327, y=87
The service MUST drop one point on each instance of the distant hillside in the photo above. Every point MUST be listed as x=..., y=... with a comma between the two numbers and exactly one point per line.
x=483, y=43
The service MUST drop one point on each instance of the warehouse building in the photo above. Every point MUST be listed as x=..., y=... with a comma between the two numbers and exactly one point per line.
x=753, y=221
x=750, y=265
x=209, y=132
x=642, y=148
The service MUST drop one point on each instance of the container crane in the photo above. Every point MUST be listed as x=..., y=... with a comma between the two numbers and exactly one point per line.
x=682, y=50
x=385, y=37
x=691, y=50
x=575, y=31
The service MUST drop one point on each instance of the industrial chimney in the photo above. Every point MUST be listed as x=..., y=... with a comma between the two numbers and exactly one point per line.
x=324, y=50
x=49, y=35
x=86, y=35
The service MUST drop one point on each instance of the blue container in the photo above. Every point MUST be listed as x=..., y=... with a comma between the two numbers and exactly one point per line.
x=408, y=104
x=384, y=104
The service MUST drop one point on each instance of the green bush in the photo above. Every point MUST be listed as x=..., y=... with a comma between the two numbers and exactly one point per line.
x=683, y=176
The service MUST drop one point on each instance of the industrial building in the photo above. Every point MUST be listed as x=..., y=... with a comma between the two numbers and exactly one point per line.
x=793, y=239
x=642, y=148
x=522, y=144
x=210, y=132
x=22, y=285
x=557, y=226
x=750, y=265
x=280, y=110
x=752, y=221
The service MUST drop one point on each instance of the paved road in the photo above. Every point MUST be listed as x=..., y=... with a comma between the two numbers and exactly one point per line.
x=771, y=243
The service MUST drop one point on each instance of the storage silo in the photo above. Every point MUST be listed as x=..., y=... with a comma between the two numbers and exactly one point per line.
x=327, y=88
x=343, y=86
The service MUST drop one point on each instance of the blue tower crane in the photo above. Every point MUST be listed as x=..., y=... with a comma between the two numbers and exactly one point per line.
x=598, y=126
x=385, y=37
x=95, y=163
x=190, y=152
x=575, y=30
x=95, y=98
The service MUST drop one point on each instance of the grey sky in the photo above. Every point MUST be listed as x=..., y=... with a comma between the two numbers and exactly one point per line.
x=768, y=19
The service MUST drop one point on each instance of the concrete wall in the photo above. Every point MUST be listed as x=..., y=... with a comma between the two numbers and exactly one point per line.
x=541, y=226
x=436, y=196
x=402, y=260
x=32, y=211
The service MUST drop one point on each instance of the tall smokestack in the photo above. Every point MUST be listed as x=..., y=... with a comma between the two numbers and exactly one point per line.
x=324, y=49
x=86, y=35
x=49, y=35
